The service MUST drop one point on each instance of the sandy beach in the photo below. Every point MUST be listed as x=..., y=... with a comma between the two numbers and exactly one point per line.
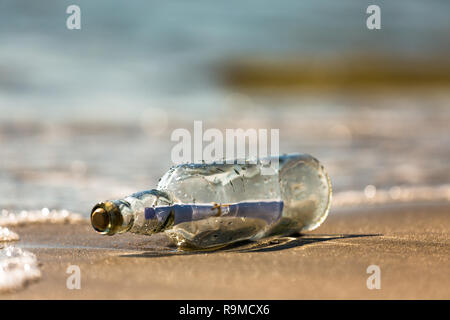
x=101, y=110
x=411, y=246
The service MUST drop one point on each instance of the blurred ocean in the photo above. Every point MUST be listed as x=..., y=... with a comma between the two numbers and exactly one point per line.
x=87, y=115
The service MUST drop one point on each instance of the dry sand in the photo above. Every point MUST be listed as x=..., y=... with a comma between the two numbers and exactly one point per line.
x=410, y=244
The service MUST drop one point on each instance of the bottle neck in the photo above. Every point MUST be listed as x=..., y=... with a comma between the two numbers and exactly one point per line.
x=118, y=216
x=106, y=218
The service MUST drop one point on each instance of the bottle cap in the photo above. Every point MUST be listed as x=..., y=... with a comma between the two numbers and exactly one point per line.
x=100, y=219
x=106, y=218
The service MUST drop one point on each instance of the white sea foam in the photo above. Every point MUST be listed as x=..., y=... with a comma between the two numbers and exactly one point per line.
x=17, y=268
x=7, y=235
x=397, y=194
x=45, y=215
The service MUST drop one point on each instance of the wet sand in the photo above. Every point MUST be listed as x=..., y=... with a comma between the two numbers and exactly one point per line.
x=411, y=246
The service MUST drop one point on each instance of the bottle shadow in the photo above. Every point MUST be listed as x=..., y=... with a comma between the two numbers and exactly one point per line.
x=263, y=245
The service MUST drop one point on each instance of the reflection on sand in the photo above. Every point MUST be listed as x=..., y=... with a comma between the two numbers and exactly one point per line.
x=264, y=245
